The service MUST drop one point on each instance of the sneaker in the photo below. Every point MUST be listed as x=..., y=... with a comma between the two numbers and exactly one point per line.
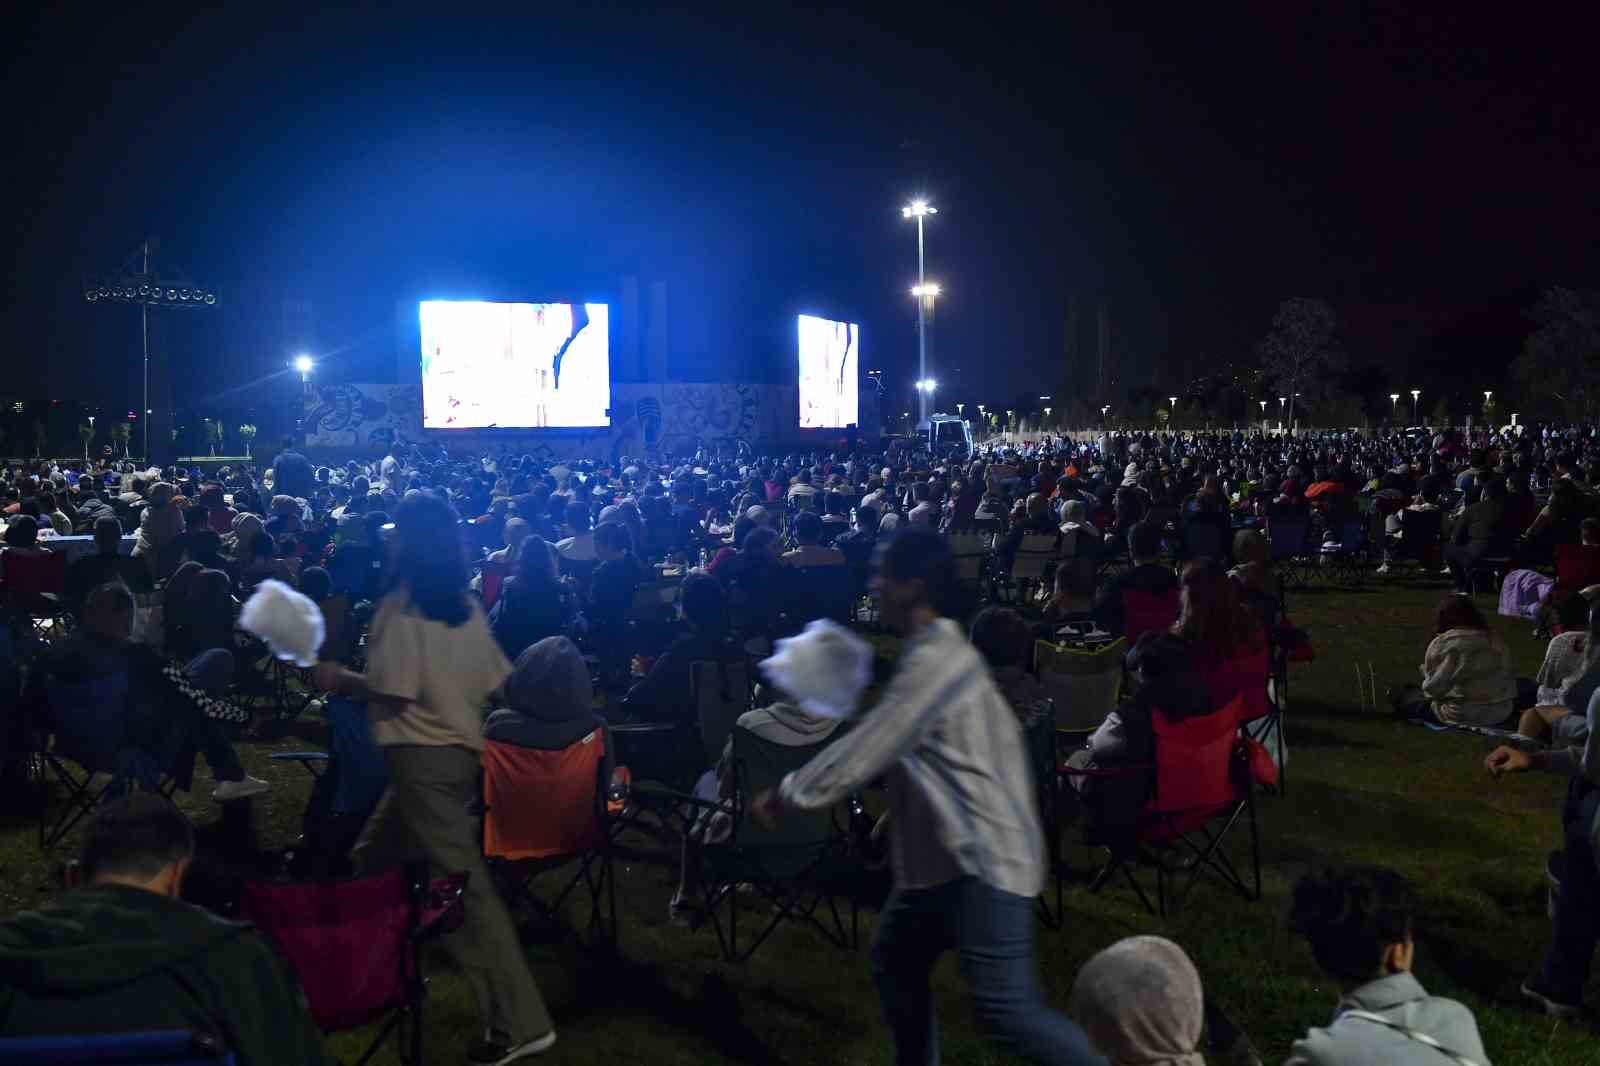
x=1552, y=1007
x=501, y=1053
x=238, y=790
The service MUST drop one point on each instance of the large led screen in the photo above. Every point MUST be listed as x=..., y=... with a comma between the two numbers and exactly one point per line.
x=509, y=365
x=829, y=370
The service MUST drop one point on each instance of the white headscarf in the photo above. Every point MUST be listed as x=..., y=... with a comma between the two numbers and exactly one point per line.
x=1141, y=1003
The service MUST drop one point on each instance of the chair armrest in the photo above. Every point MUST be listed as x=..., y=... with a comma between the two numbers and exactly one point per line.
x=1121, y=770
x=307, y=759
x=653, y=791
x=441, y=909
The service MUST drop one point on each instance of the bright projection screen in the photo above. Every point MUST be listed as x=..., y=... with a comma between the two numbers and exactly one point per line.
x=829, y=372
x=512, y=365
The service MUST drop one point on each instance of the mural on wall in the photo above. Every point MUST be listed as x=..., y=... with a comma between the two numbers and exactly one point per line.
x=646, y=419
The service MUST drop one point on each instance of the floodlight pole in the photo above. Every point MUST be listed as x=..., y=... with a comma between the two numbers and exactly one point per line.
x=144, y=336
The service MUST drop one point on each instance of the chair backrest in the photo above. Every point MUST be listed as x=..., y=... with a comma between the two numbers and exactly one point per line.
x=362, y=774
x=720, y=692
x=495, y=572
x=29, y=576
x=89, y=719
x=543, y=803
x=165, y=1047
x=1206, y=536
x=1287, y=537
x=1083, y=685
x=1194, y=761
x=1144, y=612
x=761, y=765
x=346, y=940
x=1242, y=678
x=1420, y=532
x=1034, y=555
x=969, y=550
x=1577, y=566
x=820, y=592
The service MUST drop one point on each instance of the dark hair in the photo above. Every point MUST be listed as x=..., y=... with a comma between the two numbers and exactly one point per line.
x=136, y=836
x=613, y=536
x=23, y=532
x=807, y=527
x=1589, y=529
x=107, y=530
x=1457, y=611
x=1349, y=914
x=315, y=583
x=759, y=539
x=430, y=562
x=868, y=518
x=536, y=561
x=180, y=583
x=704, y=603
x=577, y=516
x=1002, y=636
x=1213, y=618
x=1144, y=540
x=112, y=596
x=195, y=517
x=918, y=554
x=205, y=547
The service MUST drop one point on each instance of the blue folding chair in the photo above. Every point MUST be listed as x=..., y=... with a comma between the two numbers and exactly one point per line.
x=348, y=785
x=175, y=1047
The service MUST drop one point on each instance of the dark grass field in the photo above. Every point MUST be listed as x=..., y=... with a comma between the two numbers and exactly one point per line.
x=1360, y=788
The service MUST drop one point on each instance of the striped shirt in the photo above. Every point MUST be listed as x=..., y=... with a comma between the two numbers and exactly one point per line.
x=960, y=784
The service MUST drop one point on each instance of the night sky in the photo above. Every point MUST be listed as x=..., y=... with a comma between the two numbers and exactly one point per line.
x=1427, y=174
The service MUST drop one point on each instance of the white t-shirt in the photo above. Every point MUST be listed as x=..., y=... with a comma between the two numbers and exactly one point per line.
x=445, y=672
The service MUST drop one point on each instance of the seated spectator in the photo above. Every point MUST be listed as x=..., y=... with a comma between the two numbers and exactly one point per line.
x=1478, y=534
x=173, y=709
x=51, y=513
x=219, y=515
x=725, y=554
x=533, y=602
x=1558, y=985
x=1466, y=672
x=105, y=565
x=205, y=618
x=158, y=962
x=1225, y=638
x=1567, y=679
x=823, y=658
x=1079, y=536
x=1035, y=521
x=575, y=551
x=802, y=487
x=1361, y=922
x=549, y=700
x=1072, y=594
x=1141, y=1002
x=517, y=531
x=923, y=510
x=808, y=550
x=317, y=586
x=1005, y=641
x=160, y=526
x=662, y=695
x=858, y=544
x=22, y=536
x=1148, y=576
x=1166, y=677
x=1259, y=584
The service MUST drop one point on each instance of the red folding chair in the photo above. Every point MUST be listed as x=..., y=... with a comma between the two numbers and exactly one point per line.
x=1144, y=612
x=545, y=810
x=36, y=585
x=1577, y=567
x=1201, y=789
x=495, y=572
x=356, y=947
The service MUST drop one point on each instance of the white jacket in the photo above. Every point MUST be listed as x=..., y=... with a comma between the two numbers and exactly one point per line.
x=1466, y=675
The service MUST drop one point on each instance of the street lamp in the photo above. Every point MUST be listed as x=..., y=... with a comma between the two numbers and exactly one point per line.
x=1263, y=404
x=1414, y=394
x=1394, y=398
x=304, y=364
x=929, y=291
x=961, y=409
x=919, y=210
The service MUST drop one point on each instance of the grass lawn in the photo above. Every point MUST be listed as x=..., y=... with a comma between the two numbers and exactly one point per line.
x=1360, y=788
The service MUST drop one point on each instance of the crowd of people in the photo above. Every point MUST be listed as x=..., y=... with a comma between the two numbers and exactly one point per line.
x=1170, y=542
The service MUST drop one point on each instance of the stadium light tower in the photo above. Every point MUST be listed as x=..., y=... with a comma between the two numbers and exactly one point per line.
x=135, y=284
x=920, y=210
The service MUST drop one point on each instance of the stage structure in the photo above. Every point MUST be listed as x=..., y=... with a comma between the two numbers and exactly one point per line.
x=138, y=285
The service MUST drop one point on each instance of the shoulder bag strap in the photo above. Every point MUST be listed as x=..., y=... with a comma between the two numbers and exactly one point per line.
x=1412, y=1034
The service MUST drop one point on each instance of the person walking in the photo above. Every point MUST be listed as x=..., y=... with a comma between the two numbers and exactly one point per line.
x=431, y=665
x=966, y=846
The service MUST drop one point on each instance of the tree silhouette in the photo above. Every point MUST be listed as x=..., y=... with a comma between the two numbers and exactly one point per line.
x=1301, y=352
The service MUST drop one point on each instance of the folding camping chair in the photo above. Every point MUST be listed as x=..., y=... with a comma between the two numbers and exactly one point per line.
x=1199, y=781
x=1032, y=562
x=86, y=726
x=1420, y=536
x=356, y=946
x=795, y=867
x=971, y=552
x=163, y=1047
x=1345, y=563
x=36, y=586
x=1287, y=538
x=543, y=811
x=346, y=789
x=819, y=592
x=1083, y=683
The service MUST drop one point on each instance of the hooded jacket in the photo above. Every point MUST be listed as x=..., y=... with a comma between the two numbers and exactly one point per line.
x=1466, y=674
x=113, y=958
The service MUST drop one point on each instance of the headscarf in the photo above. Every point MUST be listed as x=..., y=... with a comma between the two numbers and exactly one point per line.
x=550, y=682
x=1141, y=1003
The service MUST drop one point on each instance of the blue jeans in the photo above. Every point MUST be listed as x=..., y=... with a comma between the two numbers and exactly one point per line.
x=1565, y=970
x=993, y=931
